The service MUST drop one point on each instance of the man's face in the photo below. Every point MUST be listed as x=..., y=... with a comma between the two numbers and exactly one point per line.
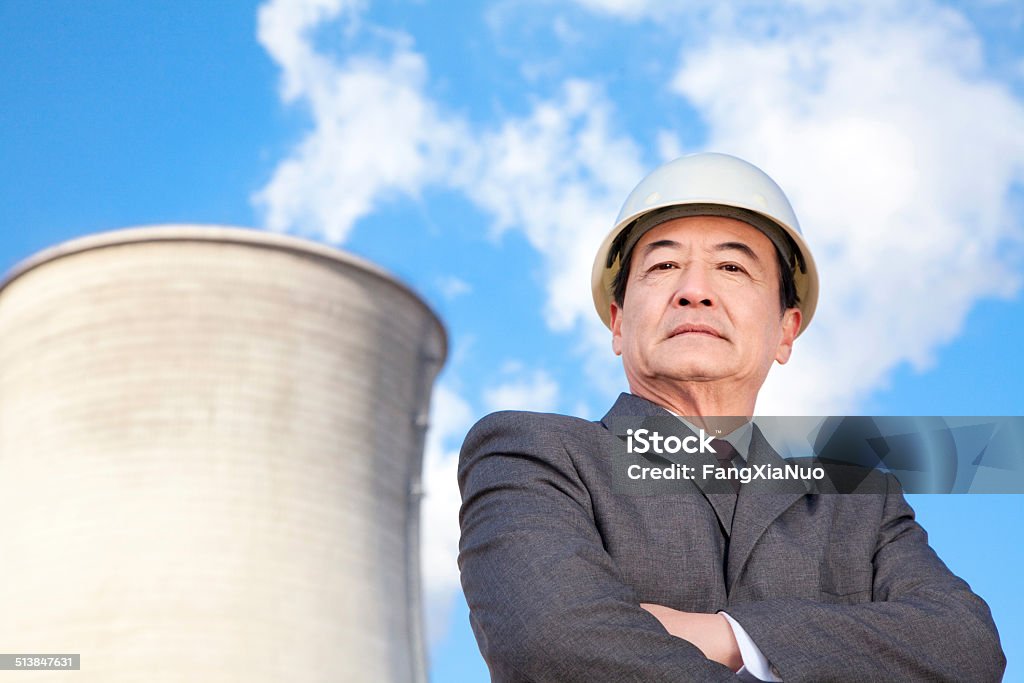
x=702, y=304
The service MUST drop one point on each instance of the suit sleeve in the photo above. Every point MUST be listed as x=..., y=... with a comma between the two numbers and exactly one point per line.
x=924, y=623
x=546, y=600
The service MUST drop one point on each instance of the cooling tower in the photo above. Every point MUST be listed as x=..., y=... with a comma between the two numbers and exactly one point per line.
x=210, y=450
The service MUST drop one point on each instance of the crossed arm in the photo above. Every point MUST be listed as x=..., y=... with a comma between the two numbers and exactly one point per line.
x=710, y=633
x=548, y=603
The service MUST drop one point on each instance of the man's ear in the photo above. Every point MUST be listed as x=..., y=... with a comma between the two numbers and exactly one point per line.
x=616, y=320
x=790, y=326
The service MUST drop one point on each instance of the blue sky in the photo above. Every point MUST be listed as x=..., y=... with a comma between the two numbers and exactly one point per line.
x=480, y=151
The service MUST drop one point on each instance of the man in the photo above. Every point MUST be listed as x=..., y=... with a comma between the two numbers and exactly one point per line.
x=705, y=281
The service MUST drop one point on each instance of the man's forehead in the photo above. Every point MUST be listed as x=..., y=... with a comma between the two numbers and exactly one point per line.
x=707, y=232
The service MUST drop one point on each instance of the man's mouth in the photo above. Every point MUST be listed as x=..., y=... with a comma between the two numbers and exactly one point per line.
x=692, y=328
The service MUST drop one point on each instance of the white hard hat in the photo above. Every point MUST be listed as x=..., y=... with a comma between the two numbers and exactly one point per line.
x=702, y=185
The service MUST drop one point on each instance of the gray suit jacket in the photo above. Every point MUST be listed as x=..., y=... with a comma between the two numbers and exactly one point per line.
x=554, y=565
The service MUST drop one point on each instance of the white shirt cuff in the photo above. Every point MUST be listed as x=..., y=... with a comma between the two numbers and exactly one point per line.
x=755, y=664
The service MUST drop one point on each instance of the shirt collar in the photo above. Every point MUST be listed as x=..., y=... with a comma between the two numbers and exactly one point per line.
x=739, y=438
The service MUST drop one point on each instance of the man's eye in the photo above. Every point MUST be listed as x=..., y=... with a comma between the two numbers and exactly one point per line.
x=732, y=268
x=667, y=265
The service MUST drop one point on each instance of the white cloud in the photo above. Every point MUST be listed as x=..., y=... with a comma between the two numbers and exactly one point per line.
x=669, y=145
x=452, y=287
x=526, y=390
x=627, y=9
x=565, y=32
x=283, y=30
x=900, y=158
x=899, y=152
x=450, y=419
x=375, y=131
x=559, y=175
x=708, y=13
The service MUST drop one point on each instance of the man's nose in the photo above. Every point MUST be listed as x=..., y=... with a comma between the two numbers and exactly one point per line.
x=694, y=288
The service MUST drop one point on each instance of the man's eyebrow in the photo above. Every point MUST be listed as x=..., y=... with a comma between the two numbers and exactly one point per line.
x=658, y=245
x=738, y=246
x=724, y=246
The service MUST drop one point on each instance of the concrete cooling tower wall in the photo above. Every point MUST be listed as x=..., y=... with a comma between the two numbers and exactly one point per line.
x=210, y=450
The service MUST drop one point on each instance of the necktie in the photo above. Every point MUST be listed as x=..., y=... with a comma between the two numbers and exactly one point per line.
x=726, y=455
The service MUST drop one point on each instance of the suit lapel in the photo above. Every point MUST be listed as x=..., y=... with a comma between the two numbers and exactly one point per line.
x=758, y=505
x=745, y=517
x=630, y=407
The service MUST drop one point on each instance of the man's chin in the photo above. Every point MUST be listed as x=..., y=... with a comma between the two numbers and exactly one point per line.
x=693, y=372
